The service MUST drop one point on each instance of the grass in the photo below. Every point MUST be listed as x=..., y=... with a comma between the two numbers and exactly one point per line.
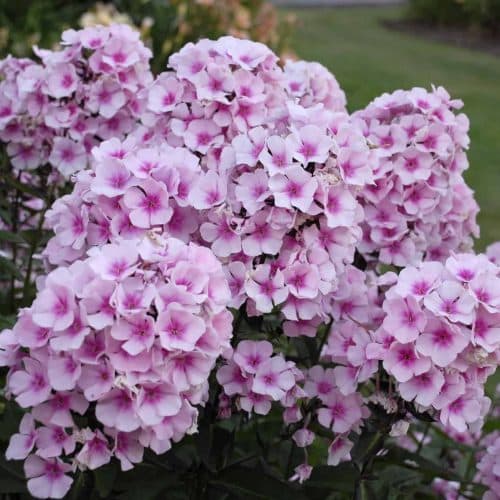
x=369, y=59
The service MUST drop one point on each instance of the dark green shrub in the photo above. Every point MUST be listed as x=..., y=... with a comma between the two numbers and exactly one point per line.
x=483, y=14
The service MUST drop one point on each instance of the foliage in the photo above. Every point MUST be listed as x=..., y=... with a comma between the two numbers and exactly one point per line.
x=484, y=14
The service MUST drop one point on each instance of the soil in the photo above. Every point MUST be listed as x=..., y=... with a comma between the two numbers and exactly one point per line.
x=464, y=38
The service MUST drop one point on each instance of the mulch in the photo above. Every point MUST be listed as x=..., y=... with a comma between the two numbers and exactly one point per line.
x=463, y=38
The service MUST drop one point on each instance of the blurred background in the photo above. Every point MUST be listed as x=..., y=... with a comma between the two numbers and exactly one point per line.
x=372, y=46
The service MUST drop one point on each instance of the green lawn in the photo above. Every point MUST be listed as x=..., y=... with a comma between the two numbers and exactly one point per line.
x=368, y=60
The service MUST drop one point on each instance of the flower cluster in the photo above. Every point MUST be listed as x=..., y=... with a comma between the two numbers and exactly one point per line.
x=56, y=110
x=126, y=337
x=261, y=165
x=419, y=206
x=255, y=377
x=440, y=336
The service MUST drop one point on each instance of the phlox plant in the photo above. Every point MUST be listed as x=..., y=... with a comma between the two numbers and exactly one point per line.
x=246, y=291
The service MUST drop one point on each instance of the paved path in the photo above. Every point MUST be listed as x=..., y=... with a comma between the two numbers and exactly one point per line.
x=334, y=3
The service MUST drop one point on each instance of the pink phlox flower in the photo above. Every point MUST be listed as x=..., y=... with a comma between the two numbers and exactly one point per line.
x=22, y=443
x=148, y=203
x=266, y=290
x=273, y=378
x=341, y=413
x=47, y=478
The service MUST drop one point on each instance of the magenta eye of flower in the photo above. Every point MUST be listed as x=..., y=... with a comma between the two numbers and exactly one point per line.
x=104, y=96
x=387, y=142
x=338, y=410
x=53, y=471
x=42, y=333
x=67, y=81
x=203, y=138
x=142, y=331
x=131, y=301
x=267, y=288
x=77, y=225
x=70, y=365
x=147, y=166
x=410, y=317
x=215, y=84
x=294, y=189
x=298, y=280
x=97, y=445
x=308, y=150
x=124, y=401
x=244, y=110
x=482, y=295
x=333, y=204
x=347, y=307
x=61, y=306
x=411, y=164
x=466, y=274
x=152, y=202
x=117, y=180
x=480, y=328
x=168, y=99
x=60, y=402
x=406, y=356
x=261, y=230
x=38, y=381
x=411, y=130
x=442, y=337
x=67, y=155
x=449, y=307
x=457, y=406
x=253, y=360
x=59, y=436
x=5, y=111
x=269, y=379
x=245, y=91
x=348, y=168
x=196, y=67
x=119, y=57
x=118, y=267
x=430, y=141
x=324, y=387
x=415, y=196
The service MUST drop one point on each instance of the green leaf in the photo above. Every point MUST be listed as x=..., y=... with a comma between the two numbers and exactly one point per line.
x=145, y=482
x=24, y=188
x=9, y=484
x=250, y=484
x=105, y=478
x=341, y=478
x=34, y=237
x=5, y=216
x=10, y=237
x=7, y=321
x=10, y=268
x=429, y=468
x=11, y=477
